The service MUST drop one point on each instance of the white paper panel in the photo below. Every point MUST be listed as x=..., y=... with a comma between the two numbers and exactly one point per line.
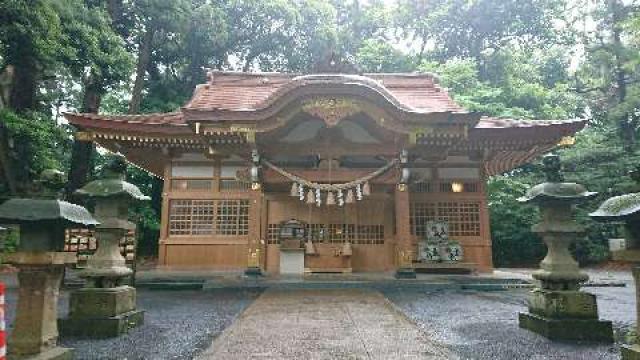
x=192, y=171
x=459, y=173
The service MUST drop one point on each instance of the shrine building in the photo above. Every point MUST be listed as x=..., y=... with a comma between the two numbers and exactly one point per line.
x=363, y=164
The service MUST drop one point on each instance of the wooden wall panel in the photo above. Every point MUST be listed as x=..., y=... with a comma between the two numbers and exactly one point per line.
x=373, y=257
x=218, y=257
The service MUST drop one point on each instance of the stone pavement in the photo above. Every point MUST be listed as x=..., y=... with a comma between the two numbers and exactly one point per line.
x=323, y=324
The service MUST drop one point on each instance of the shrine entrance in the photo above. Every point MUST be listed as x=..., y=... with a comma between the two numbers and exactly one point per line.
x=354, y=237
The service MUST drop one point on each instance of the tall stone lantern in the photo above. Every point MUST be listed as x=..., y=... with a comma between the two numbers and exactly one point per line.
x=106, y=307
x=626, y=209
x=557, y=308
x=41, y=261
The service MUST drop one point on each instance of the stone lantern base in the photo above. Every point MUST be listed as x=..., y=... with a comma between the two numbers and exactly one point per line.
x=102, y=312
x=565, y=315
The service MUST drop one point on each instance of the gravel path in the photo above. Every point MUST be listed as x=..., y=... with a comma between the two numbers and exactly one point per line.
x=178, y=324
x=484, y=325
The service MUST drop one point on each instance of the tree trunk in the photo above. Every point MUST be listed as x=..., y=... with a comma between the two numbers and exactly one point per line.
x=22, y=96
x=81, y=154
x=5, y=161
x=143, y=62
x=627, y=123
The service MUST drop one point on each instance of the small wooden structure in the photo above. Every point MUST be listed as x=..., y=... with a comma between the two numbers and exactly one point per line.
x=361, y=159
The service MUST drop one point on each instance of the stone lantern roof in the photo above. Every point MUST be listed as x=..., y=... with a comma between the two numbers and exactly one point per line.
x=555, y=188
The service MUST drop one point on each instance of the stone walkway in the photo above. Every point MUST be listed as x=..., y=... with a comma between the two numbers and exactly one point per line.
x=323, y=324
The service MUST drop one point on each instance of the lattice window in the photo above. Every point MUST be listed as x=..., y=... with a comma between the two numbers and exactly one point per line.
x=272, y=234
x=468, y=187
x=336, y=233
x=191, y=184
x=208, y=217
x=234, y=185
x=422, y=187
x=463, y=217
x=232, y=217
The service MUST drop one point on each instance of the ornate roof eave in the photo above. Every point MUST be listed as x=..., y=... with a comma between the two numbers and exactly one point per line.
x=295, y=96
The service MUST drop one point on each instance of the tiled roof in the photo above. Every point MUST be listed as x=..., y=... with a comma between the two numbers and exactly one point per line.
x=253, y=91
x=234, y=92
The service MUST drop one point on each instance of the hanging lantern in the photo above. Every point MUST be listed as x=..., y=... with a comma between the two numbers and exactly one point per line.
x=340, y=198
x=294, y=189
x=318, y=198
x=366, y=189
x=311, y=198
x=301, y=192
x=358, y=192
x=331, y=198
x=347, y=250
x=350, y=198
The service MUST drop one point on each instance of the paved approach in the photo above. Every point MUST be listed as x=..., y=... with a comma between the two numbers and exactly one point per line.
x=323, y=324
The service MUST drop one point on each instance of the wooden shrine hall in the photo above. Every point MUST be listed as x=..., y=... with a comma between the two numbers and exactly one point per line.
x=361, y=165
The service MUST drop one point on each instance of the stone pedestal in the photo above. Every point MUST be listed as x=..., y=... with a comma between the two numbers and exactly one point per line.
x=557, y=308
x=102, y=312
x=35, y=332
x=565, y=315
x=292, y=261
x=632, y=352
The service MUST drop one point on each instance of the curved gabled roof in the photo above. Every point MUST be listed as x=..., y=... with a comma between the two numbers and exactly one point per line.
x=246, y=92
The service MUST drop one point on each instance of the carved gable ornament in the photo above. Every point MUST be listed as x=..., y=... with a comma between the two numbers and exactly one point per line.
x=331, y=110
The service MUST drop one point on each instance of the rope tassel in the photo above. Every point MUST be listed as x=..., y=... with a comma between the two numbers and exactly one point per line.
x=350, y=199
x=311, y=197
x=366, y=189
x=331, y=199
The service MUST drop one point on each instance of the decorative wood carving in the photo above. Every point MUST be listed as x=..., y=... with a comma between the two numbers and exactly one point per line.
x=331, y=110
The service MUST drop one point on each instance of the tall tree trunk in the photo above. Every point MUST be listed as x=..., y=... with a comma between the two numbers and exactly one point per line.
x=23, y=88
x=81, y=154
x=143, y=62
x=5, y=161
x=627, y=123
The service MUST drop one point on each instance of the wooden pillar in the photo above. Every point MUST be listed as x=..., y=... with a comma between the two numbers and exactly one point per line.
x=404, y=247
x=256, y=250
x=164, y=216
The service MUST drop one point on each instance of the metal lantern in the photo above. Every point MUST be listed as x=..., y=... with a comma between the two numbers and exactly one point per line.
x=292, y=234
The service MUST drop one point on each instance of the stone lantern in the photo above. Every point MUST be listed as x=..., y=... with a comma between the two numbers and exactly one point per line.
x=41, y=262
x=557, y=308
x=105, y=307
x=625, y=209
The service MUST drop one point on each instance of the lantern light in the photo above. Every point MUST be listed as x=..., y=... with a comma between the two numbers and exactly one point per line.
x=457, y=187
x=255, y=186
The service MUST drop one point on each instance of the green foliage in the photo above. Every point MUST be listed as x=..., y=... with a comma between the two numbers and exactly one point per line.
x=513, y=242
x=37, y=143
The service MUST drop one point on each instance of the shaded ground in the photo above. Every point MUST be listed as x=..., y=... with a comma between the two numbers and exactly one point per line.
x=484, y=325
x=178, y=324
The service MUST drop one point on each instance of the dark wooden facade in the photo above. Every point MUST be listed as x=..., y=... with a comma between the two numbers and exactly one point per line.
x=328, y=129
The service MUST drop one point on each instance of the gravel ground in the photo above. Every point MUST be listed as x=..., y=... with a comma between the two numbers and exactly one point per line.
x=484, y=325
x=178, y=324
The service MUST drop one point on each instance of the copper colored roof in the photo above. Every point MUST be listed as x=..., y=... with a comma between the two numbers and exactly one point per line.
x=228, y=91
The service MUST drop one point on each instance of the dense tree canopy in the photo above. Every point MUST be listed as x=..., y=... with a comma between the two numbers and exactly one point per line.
x=523, y=59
